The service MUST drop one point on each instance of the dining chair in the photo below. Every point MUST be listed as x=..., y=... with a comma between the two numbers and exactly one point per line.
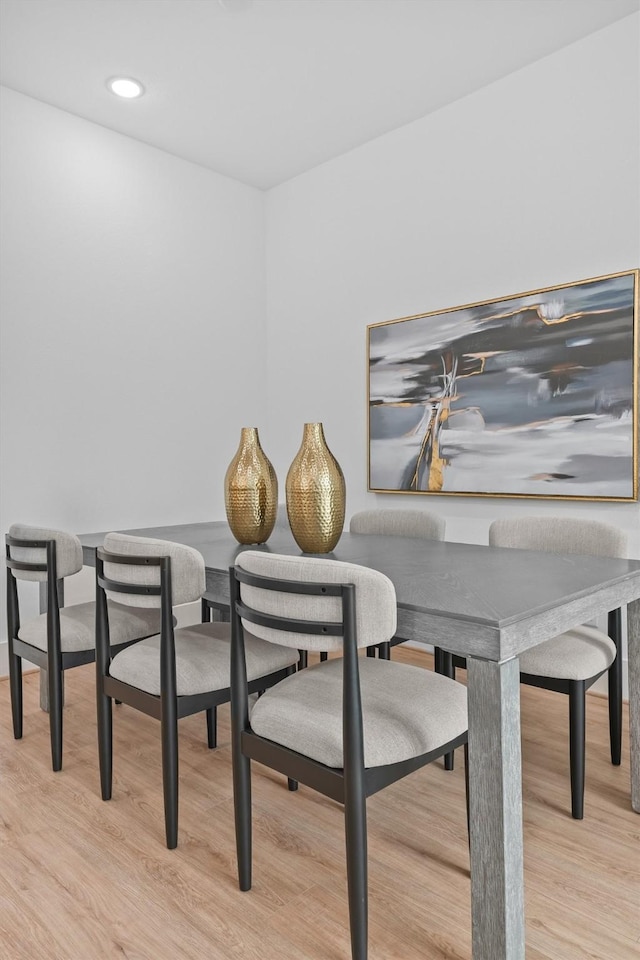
x=177, y=672
x=420, y=524
x=63, y=637
x=346, y=727
x=571, y=662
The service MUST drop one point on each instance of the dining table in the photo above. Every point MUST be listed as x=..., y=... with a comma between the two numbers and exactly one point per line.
x=487, y=604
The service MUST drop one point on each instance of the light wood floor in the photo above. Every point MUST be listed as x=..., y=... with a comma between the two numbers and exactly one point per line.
x=81, y=879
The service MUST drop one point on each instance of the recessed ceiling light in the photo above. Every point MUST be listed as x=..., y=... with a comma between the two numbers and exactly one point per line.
x=125, y=87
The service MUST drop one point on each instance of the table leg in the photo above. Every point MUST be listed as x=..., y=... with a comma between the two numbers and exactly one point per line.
x=633, y=639
x=44, y=677
x=495, y=803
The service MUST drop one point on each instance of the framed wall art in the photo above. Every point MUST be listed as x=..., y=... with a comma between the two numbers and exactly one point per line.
x=532, y=395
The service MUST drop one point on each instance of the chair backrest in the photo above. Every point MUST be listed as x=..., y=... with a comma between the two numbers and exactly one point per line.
x=68, y=551
x=187, y=569
x=559, y=535
x=399, y=523
x=375, y=599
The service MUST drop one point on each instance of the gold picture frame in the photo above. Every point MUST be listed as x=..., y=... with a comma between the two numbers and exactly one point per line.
x=530, y=395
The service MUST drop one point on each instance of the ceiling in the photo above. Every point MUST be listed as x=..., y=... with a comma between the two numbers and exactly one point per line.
x=263, y=90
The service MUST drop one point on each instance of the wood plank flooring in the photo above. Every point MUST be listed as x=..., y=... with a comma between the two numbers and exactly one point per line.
x=81, y=879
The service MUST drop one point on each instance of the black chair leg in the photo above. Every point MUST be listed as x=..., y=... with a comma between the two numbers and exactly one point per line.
x=105, y=744
x=437, y=659
x=447, y=665
x=15, y=682
x=55, y=717
x=466, y=790
x=304, y=659
x=293, y=784
x=615, y=687
x=205, y=611
x=212, y=727
x=384, y=651
x=324, y=656
x=445, y=662
x=371, y=651
x=242, y=812
x=577, y=746
x=615, y=710
x=169, y=725
x=355, y=816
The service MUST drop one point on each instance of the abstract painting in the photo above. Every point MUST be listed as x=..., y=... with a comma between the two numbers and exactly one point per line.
x=533, y=395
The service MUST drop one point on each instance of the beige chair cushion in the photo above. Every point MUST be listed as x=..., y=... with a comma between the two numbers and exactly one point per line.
x=68, y=551
x=399, y=523
x=187, y=569
x=376, y=610
x=559, y=535
x=419, y=524
x=202, y=660
x=78, y=626
x=584, y=651
x=578, y=654
x=407, y=711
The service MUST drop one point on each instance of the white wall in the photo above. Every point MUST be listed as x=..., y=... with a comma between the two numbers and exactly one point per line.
x=133, y=326
x=530, y=182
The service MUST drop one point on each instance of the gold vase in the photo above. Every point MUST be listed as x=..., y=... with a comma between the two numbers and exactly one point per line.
x=251, y=491
x=315, y=494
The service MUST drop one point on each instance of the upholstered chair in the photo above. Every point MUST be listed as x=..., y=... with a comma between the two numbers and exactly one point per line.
x=63, y=637
x=571, y=662
x=420, y=524
x=346, y=727
x=177, y=672
x=399, y=523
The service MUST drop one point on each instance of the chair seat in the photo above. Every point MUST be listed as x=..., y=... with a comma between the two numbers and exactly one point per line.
x=578, y=654
x=203, y=660
x=407, y=711
x=78, y=626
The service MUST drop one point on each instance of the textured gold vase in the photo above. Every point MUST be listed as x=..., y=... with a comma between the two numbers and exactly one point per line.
x=315, y=494
x=251, y=491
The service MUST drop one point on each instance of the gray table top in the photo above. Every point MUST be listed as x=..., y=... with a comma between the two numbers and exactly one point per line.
x=516, y=597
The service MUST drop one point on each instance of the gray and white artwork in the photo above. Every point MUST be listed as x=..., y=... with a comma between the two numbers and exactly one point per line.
x=531, y=395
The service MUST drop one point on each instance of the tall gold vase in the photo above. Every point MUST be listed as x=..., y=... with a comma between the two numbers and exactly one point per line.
x=315, y=494
x=251, y=491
